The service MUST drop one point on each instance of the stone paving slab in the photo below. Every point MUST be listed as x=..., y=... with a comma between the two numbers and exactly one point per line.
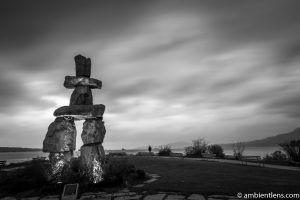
x=101, y=194
x=31, y=198
x=53, y=197
x=125, y=190
x=9, y=198
x=87, y=197
x=155, y=197
x=222, y=196
x=196, y=197
x=175, y=197
x=139, y=185
x=126, y=194
x=154, y=175
x=136, y=197
x=151, y=180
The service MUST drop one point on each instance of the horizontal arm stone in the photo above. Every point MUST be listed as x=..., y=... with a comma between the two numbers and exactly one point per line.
x=73, y=81
x=80, y=112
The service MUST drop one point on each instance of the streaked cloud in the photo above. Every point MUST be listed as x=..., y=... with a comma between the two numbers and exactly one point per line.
x=171, y=70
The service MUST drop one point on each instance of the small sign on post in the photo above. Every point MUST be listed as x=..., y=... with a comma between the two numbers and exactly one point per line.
x=70, y=192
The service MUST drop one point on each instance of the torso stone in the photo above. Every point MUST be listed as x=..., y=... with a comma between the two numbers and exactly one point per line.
x=93, y=131
x=61, y=136
x=82, y=95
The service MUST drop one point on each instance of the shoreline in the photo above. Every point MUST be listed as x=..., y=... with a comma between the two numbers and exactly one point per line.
x=15, y=157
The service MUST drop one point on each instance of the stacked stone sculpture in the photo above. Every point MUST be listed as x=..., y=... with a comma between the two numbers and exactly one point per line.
x=60, y=140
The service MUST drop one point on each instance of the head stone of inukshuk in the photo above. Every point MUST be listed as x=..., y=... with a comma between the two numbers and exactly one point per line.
x=60, y=139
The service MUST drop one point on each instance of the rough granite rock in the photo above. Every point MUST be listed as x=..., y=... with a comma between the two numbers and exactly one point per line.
x=82, y=95
x=83, y=66
x=79, y=112
x=73, y=81
x=92, y=160
x=61, y=136
x=89, y=152
x=58, y=161
x=93, y=131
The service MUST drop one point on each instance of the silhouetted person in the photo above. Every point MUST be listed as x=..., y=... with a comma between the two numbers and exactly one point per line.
x=149, y=149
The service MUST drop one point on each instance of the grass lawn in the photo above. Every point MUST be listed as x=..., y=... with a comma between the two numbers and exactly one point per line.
x=187, y=176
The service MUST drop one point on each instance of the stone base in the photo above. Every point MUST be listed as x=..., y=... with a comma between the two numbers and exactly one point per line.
x=91, y=161
x=59, y=161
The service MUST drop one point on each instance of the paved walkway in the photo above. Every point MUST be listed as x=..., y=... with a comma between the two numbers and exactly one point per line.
x=128, y=195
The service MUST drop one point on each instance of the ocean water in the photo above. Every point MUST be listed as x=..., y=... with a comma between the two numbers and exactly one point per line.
x=255, y=151
x=15, y=157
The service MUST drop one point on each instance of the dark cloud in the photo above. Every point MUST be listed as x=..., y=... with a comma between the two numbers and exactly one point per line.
x=258, y=22
x=286, y=104
x=162, y=48
x=289, y=53
x=14, y=97
x=26, y=24
x=165, y=65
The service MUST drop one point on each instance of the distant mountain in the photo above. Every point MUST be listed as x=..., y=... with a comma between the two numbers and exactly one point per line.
x=272, y=141
x=18, y=149
x=179, y=145
x=174, y=145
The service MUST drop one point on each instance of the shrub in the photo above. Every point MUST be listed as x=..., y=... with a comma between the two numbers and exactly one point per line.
x=292, y=149
x=121, y=172
x=117, y=154
x=144, y=154
x=238, y=150
x=276, y=155
x=32, y=176
x=197, y=149
x=217, y=150
x=75, y=164
x=165, y=151
x=69, y=175
x=37, y=171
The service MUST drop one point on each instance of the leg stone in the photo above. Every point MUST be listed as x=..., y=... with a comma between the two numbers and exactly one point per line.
x=61, y=136
x=93, y=131
x=91, y=161
x=60, y=141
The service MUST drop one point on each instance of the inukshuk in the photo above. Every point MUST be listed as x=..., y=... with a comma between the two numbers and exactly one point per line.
x=60, y=139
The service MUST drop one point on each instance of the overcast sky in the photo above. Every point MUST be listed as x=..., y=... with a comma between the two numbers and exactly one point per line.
x=171, y=70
